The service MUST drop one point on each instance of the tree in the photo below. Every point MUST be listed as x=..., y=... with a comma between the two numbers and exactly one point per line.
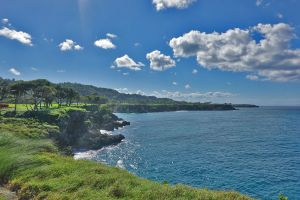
x=61, y=95
x=18, y=89
x=71, y=95
x=77, y=98
x=4, y=91
x=95, y=99
x=41, y=91
x=100, y=100
x=84, y=99
x=3, y=94
x=48, y=95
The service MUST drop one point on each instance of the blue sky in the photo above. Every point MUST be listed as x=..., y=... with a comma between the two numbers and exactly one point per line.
x=240, y=51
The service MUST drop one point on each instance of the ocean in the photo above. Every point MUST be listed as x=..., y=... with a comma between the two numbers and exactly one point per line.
x=255, y=151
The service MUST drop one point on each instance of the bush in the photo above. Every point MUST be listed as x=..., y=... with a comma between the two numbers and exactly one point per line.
x=282, y=197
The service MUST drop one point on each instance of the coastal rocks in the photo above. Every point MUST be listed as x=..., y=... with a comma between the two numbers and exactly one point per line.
x=80, y=129
x=105, y=120
x=121, y=123
x=96, y=140
x=116, y=125
x=72, y=127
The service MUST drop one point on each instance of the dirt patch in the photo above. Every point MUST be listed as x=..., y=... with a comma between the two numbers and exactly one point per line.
x=7, y=194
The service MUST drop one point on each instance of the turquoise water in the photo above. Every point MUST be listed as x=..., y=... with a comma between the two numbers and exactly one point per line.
x=255, y=151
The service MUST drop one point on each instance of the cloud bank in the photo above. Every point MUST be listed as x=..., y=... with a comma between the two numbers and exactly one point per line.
x=182, y=96
x=193, y=96
x=238, y=50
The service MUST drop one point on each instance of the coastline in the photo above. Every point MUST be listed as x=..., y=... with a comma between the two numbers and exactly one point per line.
x=41, y=170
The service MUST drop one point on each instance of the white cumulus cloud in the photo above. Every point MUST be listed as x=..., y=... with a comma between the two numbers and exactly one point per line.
x=163, y=4
x=4, y=20
x=14, y=71
x=34, y=69
x=104, y=44
x=61, y=71
x=195, y=71
x=258, y=2
x=111, y=35
x=127, y=62
x=69, y=45
x=140, y=92
x=20, y=36
x=122, y=90
x=137, y=44
x=187, y=86
x=78, y=47
x=236, y=50
x=252, y=77
x=159, y=61
x=279, y=15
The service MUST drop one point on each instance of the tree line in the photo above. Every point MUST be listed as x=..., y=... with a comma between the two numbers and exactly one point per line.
x=39, y=94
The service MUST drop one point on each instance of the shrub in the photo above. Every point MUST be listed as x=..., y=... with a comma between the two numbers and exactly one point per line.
x=282, y=197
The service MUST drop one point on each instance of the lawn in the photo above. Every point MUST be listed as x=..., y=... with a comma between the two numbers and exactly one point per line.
x=24, y=107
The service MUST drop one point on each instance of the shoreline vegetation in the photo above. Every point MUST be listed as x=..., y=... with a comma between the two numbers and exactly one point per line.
x=40, y=125
x=245, y=106
x=40, y=92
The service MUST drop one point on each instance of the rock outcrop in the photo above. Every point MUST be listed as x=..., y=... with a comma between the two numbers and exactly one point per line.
x=80, y=129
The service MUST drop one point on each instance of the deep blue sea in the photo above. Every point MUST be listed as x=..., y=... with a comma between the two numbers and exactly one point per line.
x=255, y=151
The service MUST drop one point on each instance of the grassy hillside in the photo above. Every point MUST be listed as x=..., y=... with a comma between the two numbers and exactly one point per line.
x=115, y=96
x=31, y=164
x=89, y=90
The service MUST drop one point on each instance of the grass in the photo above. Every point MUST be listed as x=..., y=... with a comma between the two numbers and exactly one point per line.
x=32, y=165
x=24, y=107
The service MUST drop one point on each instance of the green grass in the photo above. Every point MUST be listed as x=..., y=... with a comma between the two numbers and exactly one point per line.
x=24, y=107
x=31, y=164
x=26, y=128
x=64, y=109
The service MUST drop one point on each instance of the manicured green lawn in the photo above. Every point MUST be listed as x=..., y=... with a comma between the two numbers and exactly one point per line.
x=32, y=165
x=24, y=107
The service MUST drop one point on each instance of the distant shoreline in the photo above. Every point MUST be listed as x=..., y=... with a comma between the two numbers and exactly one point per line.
x=245, y=106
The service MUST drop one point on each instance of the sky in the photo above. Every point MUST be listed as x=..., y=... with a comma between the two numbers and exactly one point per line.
x=196, y=50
